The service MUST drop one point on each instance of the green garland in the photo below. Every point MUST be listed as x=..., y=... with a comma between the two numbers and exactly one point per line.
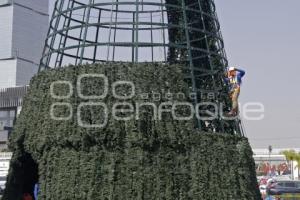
x=136, y=159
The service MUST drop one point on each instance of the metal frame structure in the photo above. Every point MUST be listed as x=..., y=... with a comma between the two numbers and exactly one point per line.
x=186, y=32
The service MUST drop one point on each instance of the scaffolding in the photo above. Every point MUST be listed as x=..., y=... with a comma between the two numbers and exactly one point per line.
x=183, y=32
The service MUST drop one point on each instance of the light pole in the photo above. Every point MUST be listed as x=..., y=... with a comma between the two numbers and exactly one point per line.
x=270, y=151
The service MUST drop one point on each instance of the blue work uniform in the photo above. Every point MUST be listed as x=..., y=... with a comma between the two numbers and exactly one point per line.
x=235, y=81
x=36, y=191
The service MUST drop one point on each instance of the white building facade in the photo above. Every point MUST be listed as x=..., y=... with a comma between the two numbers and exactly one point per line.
x=5, y=158
x=23, y=29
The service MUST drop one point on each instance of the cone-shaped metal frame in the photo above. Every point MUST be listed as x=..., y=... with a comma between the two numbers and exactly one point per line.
x=165, y=31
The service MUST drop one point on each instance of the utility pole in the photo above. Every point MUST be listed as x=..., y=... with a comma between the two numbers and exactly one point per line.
x=270, y=163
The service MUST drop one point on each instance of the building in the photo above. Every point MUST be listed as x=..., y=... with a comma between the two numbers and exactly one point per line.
x=10, y=105
x=23, y=28
x=275, y=158
x=5, y=158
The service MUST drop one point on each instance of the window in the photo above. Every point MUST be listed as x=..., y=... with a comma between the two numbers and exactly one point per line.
x=280, y=184
x=290, y=184
x=7, y=117
x=3, y=114
x=12, y=113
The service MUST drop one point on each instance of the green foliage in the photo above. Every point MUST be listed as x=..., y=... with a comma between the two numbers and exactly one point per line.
x=290, y=155
x=135, y=159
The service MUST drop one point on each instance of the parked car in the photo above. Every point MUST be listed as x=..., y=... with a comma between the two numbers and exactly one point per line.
x=283, y=187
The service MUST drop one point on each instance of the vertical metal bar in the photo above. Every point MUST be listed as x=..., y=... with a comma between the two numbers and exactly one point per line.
x=152, y=49
x=85, y=31
x=223, y=50
x=54, y=29
x=97, y=36
x=210, y=61
x=137, y=32
x=133, y=35
x=80, y=35
x=61, y=38
x=42, y=65
x=164, y=31
x=191, y=64
x=115, y=31
x=109, y=35
x=63, y=44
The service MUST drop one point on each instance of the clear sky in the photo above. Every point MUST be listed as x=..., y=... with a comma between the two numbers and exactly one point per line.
x=263, y=37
